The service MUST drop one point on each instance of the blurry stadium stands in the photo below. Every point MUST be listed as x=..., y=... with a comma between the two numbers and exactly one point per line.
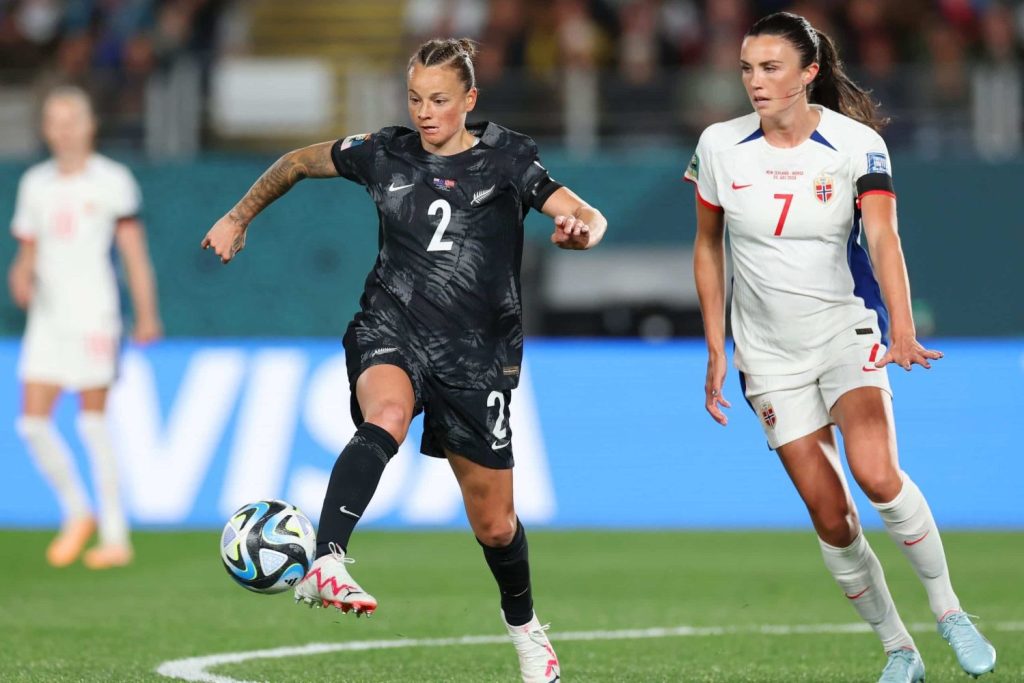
x=199, y=95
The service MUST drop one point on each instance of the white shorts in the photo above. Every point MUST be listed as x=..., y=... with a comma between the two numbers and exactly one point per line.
x=791, y=406
x=73, y=361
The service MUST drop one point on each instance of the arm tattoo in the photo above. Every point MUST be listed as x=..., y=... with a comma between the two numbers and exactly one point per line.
x=309, y=162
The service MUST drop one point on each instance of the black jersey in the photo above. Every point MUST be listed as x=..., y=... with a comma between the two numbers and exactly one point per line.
x=451, y=242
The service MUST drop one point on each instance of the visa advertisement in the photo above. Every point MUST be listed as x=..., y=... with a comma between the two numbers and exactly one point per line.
x=605, y=434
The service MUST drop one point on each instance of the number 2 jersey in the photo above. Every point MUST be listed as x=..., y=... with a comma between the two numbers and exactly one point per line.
x=446, y=279
x=803, y=286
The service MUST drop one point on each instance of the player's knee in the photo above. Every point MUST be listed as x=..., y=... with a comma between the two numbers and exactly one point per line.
x=496, y=532
x=838, y=528
x=881, y=486
x=393, y=418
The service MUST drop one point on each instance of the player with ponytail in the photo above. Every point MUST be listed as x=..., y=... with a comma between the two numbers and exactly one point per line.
x=816, y=320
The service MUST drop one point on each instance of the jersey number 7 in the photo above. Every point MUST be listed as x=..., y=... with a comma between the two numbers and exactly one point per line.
x=788, y=199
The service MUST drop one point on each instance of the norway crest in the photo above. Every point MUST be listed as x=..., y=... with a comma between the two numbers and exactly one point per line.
x=823, y=188
x=768, y=414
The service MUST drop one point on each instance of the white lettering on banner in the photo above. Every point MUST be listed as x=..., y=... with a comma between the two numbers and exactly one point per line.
x=265, y=435
x=164, y=466
x=165, y=462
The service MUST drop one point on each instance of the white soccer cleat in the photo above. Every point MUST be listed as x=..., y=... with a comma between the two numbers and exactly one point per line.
x=537, y=659
x=328, y=584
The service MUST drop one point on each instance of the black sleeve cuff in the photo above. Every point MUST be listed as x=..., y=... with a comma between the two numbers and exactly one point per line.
x=875, y=182
x=335, y=154
x=543, y=191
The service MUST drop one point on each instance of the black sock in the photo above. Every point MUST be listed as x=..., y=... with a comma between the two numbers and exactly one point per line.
x=354, y=479
x=511, y=568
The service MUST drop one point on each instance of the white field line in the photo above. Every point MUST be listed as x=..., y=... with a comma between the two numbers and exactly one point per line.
x=194, y=668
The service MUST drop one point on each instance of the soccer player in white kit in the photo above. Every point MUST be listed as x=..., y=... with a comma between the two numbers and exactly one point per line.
x=68, y=213
x=796, y=182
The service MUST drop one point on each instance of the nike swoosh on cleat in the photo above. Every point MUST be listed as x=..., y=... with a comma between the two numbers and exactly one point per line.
x=348, y=512
x=854, y=597
x=393, y=188
x=740, y=187
x=917, y=540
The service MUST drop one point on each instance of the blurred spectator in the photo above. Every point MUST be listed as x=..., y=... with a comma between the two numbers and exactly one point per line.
x=943, y=91
x=714, y=92
x=28, y=31
x=996, y=87
x=426, y=19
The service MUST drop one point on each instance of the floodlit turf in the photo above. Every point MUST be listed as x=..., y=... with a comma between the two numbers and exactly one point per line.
x=176, y=602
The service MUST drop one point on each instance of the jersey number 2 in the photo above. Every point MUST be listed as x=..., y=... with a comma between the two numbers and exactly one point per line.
x=787, y=199
x=500, y=432
x=436, y=242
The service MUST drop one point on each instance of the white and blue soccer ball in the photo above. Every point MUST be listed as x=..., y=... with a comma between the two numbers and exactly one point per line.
x=268, y=546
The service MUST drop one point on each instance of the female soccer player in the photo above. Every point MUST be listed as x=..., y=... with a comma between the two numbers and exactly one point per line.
x=68, y=212
x=440, y=327
x=795, y=181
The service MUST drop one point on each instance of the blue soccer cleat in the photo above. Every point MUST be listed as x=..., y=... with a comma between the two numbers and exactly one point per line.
x=904, y=666
x=975, y=654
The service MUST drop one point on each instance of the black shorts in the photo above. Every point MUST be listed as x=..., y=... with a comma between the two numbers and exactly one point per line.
x=468, y=422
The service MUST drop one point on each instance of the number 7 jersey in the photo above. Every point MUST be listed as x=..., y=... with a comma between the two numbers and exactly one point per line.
x=803, y=286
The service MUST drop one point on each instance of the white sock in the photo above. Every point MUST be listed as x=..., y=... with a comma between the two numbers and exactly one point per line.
x=858, y=572
x=54, y=460
x=93, y=430
x=910, y=524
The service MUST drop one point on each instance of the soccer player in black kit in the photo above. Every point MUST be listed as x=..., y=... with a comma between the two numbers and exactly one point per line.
x=440, y=325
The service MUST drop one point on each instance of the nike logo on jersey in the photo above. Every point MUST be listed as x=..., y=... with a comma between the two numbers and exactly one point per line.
x=496, y=446
x=740, y=187
x=854, y=597
x=870, y=368
x=917, y=540
x=478, y=197
x=346, y=511
x=394, y=188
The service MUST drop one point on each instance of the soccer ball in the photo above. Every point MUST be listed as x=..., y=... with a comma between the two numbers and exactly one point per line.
x=268, y=546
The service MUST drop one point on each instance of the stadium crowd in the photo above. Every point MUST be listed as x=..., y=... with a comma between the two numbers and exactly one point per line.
x=667, y=67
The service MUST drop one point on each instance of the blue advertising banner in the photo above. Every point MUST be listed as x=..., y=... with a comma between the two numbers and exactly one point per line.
x=605, y=434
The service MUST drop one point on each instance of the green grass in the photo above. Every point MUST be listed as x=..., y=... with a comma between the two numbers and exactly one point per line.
x=177, y=601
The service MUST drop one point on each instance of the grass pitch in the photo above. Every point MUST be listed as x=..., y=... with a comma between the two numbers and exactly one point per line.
x=177, y=602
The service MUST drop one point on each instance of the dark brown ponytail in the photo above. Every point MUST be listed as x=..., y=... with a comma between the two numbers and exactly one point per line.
x=455, y=53
x=831, y=88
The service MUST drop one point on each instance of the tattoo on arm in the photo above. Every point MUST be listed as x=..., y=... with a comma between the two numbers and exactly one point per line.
x=309, y=162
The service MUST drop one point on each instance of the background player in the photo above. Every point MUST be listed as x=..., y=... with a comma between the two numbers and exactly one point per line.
x=69, y=211
x=795, y=181
x=440, y=325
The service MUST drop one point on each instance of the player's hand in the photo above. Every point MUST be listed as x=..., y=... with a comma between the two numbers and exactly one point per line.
x=905, y=352
x=147, y=330
x=570, y=233
x=226, y=238
x=717, y=367
x=22, y=286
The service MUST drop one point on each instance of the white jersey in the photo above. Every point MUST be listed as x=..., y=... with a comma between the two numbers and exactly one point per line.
x=74, y=319
x=72, y=219
x=803, y=286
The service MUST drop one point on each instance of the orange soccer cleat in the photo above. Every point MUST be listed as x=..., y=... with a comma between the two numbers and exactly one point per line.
x=68, y=545
x=108, y=556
